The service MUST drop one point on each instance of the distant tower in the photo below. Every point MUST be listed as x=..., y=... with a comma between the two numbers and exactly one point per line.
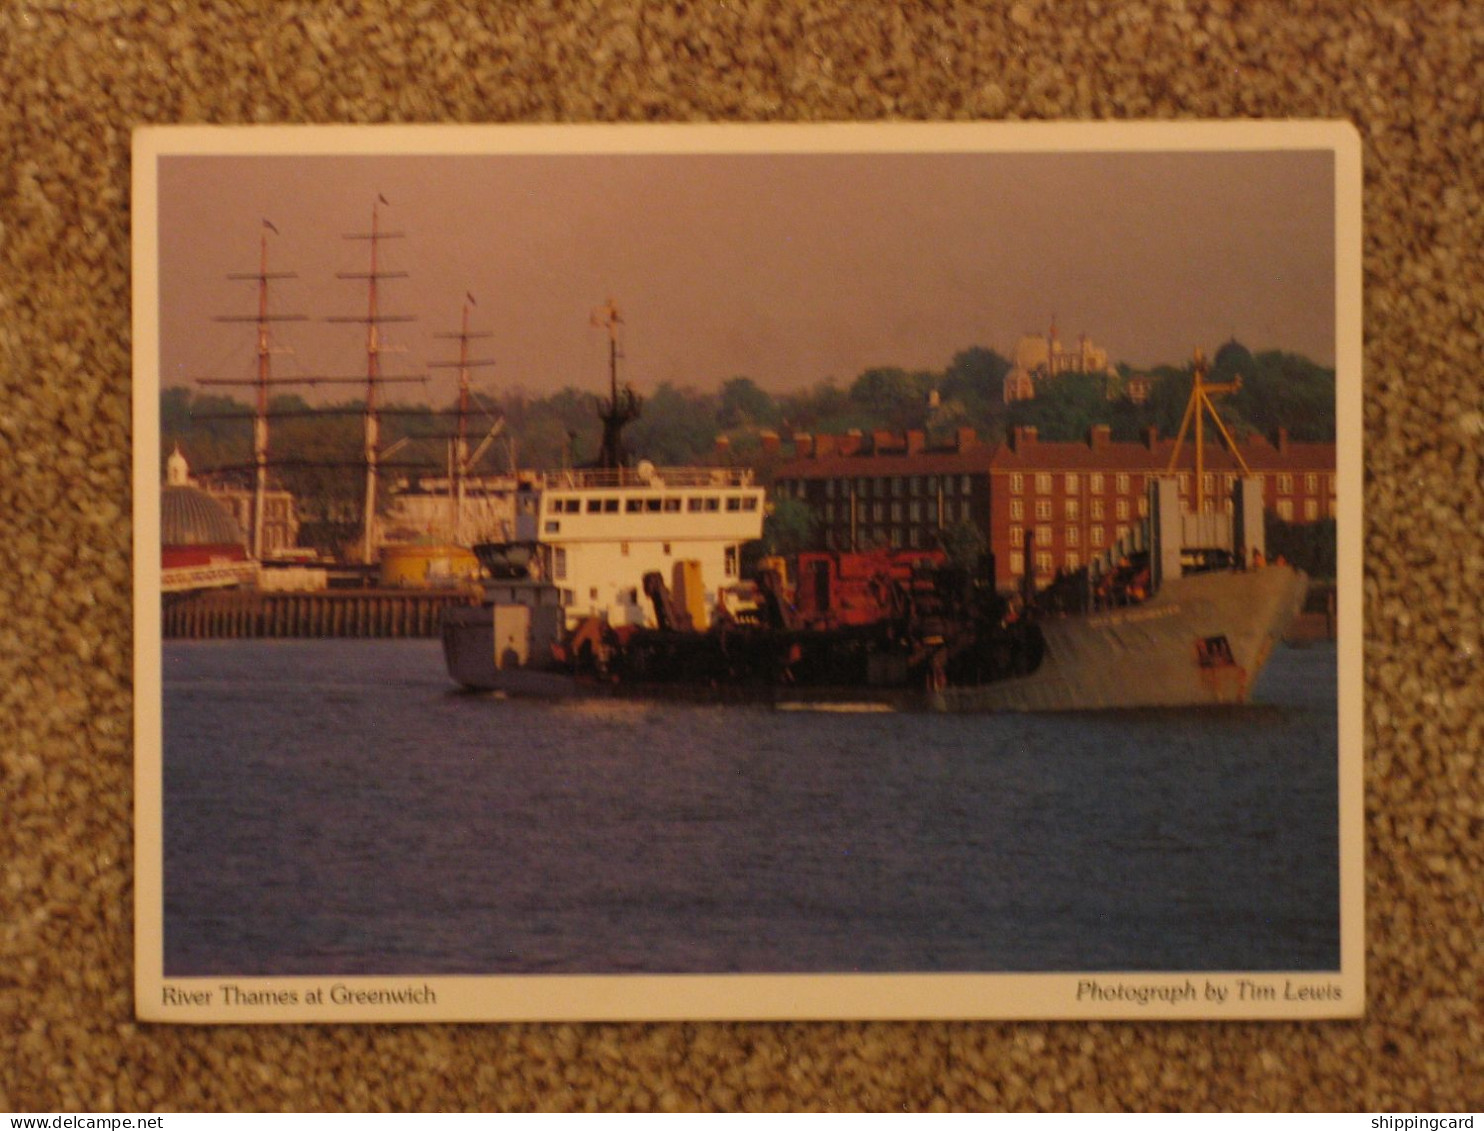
x=177, y=470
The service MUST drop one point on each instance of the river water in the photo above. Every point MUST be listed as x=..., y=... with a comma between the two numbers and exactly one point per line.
x=336, y=807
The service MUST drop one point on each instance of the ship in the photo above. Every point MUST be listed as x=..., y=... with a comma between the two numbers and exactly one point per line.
x=627, y=582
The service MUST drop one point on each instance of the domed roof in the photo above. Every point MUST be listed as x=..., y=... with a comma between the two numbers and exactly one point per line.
x=191, y=517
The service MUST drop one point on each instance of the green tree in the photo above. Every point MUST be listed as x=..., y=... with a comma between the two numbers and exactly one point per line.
x=965, y=546
x=743, y=404
x=788, y=527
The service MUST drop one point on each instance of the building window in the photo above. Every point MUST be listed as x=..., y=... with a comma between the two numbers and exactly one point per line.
x=914, y=510
x=1285, y=484
x=1017, y=565
x=1311, y=509
x=1143, y=506
x=1043, y=483
x=1043, y=535
x=932, y=484
x=1074, y=560
x=1073, y=508
x=1285, y=509
x=1095, y=483
x=1044, y=561
x=1043, y=508
x=1017, y=536
x=878, y=511
x=915, y=485
x=1097, y=537
x=829, y=488
x=1121, y=483
x=896, y=512
x=829, y=512
x=914, y=538
x=1017, y=510
x=1097, y=508
x=1120, y=509
x=1311, y=484
x=1121, y=533
x=1017, y=483
x=1073, y=536
x=1071, y=483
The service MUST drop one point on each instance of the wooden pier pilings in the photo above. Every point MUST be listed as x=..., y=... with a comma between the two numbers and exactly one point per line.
x=383, y=613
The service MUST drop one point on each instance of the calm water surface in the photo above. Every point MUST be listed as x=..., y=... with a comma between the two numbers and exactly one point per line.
x=337, y=807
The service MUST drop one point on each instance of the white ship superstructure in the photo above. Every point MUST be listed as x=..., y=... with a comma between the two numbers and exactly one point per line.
x=601, y=530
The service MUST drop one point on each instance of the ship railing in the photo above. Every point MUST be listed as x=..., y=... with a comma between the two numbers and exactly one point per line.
x=645, y=476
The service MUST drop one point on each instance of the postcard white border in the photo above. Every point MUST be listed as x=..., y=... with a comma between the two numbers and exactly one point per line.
x=1092, y=995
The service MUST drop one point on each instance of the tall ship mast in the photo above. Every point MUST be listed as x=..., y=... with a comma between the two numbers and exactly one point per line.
x=373, y=319
x=264, y=379
x=460, y=460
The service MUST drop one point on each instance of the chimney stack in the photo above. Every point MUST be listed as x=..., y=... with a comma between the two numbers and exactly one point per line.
x=803, y=445
x=964, y=439
x=1022, y=435
x=1099, y=435
x=769, y=441
x=850, y=443
x=916, y=441
x=1151, y=436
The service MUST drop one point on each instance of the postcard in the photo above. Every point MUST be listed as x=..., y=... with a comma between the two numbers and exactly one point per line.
x=748, y=572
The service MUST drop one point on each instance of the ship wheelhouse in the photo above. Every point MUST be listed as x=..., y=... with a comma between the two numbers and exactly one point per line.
x=595, y=533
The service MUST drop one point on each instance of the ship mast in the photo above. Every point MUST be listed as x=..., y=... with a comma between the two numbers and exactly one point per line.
x=1197, y=407
x=375, y=347
x=461, y=461
x=620, y=408
x=264, y=378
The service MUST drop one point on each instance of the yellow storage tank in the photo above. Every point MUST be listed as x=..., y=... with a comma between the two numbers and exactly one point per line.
x=427, y=566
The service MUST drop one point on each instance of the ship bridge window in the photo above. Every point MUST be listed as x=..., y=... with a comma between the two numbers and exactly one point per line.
x=712, y=503
x=734, y=502
x=633, y=506
x=672, y=505
x=749, y=502
x=610, y=506
x=693, y=505
x=553, y=527
x=594, y=506
x=652, y=506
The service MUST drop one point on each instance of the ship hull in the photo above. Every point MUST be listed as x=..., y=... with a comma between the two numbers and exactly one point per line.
x=1202, y=641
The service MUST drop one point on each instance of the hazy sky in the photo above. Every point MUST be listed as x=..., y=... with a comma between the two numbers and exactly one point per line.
x=787, y=269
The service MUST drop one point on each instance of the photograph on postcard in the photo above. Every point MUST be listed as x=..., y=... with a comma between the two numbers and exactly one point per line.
x=703, y=558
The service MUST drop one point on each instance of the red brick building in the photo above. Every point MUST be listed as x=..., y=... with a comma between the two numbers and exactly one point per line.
x=1075, y=500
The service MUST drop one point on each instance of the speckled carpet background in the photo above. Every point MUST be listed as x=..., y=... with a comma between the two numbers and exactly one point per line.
x=77, y=77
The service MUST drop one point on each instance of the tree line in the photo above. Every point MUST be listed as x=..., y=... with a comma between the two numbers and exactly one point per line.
x=316, y=450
